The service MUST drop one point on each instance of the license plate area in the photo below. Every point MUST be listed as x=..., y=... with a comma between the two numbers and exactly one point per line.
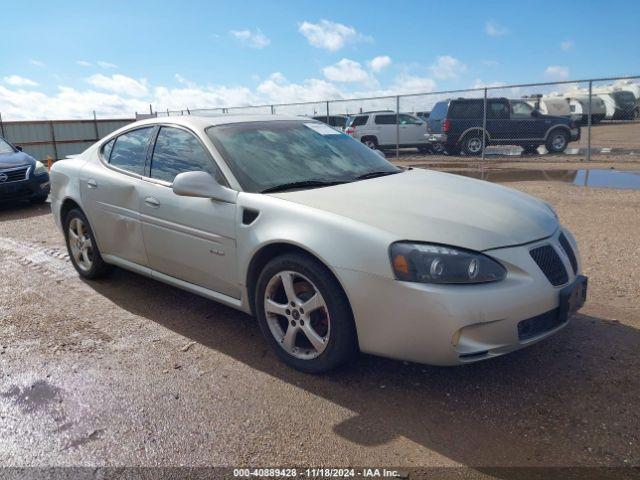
x=572, y=297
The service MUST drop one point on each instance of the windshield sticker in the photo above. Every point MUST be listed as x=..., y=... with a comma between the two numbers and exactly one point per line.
x=322, y=129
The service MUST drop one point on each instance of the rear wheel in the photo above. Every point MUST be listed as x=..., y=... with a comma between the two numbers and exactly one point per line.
x=472, y=144
x=82, y=247
x=304, y=314
x=557, y=141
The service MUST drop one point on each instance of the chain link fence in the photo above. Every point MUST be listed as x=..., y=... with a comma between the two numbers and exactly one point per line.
x=590, y=118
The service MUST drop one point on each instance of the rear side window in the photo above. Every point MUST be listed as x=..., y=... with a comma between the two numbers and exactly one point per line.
x=358, y=121
x=106, y=149
x=439, y=111
x=385, y=119
x=177, y=151
x=466, y=109
x=129, y=150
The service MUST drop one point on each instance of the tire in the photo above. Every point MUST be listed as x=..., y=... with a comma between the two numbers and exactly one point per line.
x=438, y=148
x=425, y=150
x=472, y=144
x=530, y=149
x=557, y=141
x=330, y=324
x=371, y=142
x=83, y=251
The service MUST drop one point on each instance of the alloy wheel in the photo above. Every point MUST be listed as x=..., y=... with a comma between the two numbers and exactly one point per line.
x=80, y=244
x=297, y=315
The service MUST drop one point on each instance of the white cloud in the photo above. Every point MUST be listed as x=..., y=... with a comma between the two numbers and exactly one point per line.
x=380, y=62
x=480, y=84
x=84, y=63
x=103, y=64
x=557, y=72
x=447, y=67
x=405, y=83
x=120, y=84
x=348, y=71
x=494, y=29
x=567, y=45
x=18, y=81
x=330, y=35
x=278, y=89
x=252, y=39
x=36, y=63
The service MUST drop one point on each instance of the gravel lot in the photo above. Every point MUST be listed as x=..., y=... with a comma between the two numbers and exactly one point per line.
x=128, y=371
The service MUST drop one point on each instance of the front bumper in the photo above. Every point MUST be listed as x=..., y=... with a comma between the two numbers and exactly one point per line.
x=32, y=187
x=456, y=324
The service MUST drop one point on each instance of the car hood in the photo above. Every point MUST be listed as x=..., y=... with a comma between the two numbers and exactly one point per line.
x=430, y=206
x=17, y=159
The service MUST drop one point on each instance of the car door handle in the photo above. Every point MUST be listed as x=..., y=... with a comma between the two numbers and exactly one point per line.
x=91, y=183
x=152, y=202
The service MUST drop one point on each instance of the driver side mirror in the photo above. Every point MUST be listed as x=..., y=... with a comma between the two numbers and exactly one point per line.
x=19, y=148
x=203, y=185
x=536, y=113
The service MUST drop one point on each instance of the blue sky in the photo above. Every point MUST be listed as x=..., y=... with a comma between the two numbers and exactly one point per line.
x=60, y=59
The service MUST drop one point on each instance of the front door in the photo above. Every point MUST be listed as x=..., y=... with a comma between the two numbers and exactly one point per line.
x=192, y=239
x=412, y=130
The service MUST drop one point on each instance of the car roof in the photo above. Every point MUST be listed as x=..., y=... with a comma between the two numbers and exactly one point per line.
x=202, y=122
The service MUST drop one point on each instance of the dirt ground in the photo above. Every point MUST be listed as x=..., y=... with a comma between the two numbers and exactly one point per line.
x=127, y=371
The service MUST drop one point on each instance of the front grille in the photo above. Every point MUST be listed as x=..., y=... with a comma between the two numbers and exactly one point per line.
x=532, y=327
x=15, y=175
x=550, y=263
x=566, y=246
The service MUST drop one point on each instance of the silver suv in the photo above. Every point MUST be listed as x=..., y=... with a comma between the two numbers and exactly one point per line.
x=378, y=130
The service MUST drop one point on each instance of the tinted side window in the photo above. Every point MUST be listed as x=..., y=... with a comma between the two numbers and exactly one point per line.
x=498, y=110
x=106, y=149
x=129, y=150
x=177, y=151
x=357, y=121
x=408, y=120
x=439, y=111
x=466, y=109
x=385, y=119
x=522, y=110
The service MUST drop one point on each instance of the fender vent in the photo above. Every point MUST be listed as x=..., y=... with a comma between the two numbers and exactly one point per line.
x=249, y=216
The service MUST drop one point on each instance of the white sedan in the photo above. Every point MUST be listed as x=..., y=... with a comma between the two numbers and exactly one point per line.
x=333, y=249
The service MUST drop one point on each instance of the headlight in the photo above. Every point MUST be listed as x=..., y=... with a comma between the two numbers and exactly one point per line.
x=40, y=168
x=420, y=262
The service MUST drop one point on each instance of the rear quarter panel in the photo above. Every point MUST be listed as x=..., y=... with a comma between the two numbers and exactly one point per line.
x=65, y=184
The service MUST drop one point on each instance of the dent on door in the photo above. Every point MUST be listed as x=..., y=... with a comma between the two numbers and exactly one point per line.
x=110, y=201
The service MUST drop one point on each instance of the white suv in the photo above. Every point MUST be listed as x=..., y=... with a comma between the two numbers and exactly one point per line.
x=379, y=130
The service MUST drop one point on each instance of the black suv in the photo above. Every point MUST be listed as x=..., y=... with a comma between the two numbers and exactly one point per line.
x=458, y=125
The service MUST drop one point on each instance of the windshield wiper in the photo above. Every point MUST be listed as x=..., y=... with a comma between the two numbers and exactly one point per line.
x=301, y=184
x=375, y=174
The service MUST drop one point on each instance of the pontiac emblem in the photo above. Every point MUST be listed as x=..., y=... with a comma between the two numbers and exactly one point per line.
x=3, y=177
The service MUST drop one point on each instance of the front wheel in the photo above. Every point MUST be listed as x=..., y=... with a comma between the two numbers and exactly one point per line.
x=371, y=142
x=82, y=247
x=304, y=314
x=557, y=141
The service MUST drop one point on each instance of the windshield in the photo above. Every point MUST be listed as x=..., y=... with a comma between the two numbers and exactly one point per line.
x=264, y=155
x=5, y=147
x=625, y=97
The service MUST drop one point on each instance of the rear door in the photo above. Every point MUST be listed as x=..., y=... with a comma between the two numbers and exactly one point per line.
x=110, y=192
x=385, y=128
x=524, y=125
x=189, y=238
